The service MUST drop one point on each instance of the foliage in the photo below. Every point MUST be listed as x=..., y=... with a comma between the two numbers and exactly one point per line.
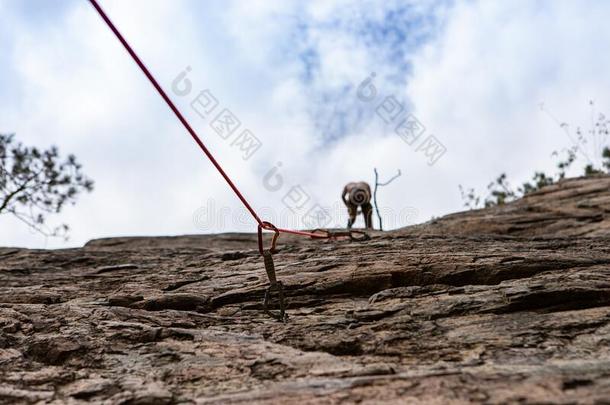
x=36, y=183
x=500, y=192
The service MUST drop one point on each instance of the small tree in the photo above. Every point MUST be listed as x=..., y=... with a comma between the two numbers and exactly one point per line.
x=34, y=184
x=381, y=184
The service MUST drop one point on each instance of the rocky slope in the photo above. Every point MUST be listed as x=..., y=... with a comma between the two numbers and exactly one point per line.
x=504, y=305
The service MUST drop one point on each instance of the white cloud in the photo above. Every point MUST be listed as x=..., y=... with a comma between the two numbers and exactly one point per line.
x=481, y=83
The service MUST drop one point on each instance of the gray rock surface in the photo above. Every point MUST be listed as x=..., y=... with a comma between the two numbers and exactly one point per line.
x=503, y=305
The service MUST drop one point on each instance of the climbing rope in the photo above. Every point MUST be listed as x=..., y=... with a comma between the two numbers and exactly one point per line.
x=274, y=284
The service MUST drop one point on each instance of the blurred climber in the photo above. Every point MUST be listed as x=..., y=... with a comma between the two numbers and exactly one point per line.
x=358, y=195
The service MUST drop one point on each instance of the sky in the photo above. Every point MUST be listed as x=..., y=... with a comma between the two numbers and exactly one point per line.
x=448, y=93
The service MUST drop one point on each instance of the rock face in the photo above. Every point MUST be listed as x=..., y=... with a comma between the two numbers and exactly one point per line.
x=503, y=305
x=576, y=207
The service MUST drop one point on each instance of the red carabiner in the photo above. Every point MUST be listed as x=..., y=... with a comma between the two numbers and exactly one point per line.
x=269, y=227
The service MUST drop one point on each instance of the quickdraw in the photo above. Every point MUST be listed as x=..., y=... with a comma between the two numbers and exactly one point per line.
x=274, y=284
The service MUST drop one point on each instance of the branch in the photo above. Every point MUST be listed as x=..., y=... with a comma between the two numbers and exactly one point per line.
x=397, y=175
x=10, y=196
x=46, y=233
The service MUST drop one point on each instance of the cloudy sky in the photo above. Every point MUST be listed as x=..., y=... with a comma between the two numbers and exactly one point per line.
x=471, y=74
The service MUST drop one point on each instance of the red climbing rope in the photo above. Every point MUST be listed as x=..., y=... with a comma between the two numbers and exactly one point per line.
x=262, y=225
x=174, y=109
